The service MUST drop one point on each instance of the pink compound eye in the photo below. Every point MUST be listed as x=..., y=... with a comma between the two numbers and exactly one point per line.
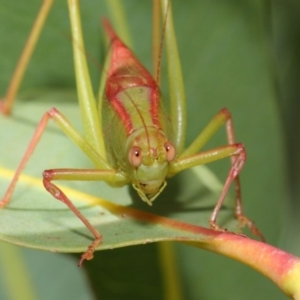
x=135, y=156
x=170, y=151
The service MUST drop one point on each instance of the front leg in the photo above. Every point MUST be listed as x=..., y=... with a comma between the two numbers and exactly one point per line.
x=70, y=131
x=110, y=176
x=237, y=152
x=237, y=161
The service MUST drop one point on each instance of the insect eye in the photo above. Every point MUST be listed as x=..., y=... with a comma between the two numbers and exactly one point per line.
x=135, y=156
x=170, y=151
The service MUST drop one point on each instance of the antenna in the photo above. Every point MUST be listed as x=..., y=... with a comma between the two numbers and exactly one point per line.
x=158, y=70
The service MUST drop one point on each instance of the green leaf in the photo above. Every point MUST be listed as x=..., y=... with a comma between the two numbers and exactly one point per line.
x=50, y=225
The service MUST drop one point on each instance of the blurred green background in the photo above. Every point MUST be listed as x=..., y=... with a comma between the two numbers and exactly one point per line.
x=236, y=54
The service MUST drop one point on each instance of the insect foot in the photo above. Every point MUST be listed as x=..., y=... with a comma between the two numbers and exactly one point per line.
x=216, y=227
x=89, y=253
x=244, y=221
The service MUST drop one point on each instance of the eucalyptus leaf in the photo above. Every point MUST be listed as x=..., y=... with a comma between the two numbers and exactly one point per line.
x=40, y=221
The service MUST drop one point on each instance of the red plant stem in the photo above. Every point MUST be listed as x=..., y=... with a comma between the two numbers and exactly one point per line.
x=281, y=267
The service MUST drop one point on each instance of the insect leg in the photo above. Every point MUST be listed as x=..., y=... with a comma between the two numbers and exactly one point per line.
x=7, y=103
x=176, y=85
x=205, y=157
x=206, y=134
x=243, y=220
x=110, y=176
x=91, y=119
x=223, y=117
x=235, y=150
x=69, y=130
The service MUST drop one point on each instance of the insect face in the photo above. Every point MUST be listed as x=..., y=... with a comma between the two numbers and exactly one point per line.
x=149, y=154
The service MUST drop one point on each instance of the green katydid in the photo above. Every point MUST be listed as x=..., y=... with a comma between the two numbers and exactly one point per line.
x=128, y=137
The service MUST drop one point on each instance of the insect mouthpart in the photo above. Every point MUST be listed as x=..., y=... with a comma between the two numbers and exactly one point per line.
x=149, y=191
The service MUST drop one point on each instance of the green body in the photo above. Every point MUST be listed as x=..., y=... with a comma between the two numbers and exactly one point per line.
x=139, y=131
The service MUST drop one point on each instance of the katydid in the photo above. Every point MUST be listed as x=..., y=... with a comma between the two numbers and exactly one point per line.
x=129, y=137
